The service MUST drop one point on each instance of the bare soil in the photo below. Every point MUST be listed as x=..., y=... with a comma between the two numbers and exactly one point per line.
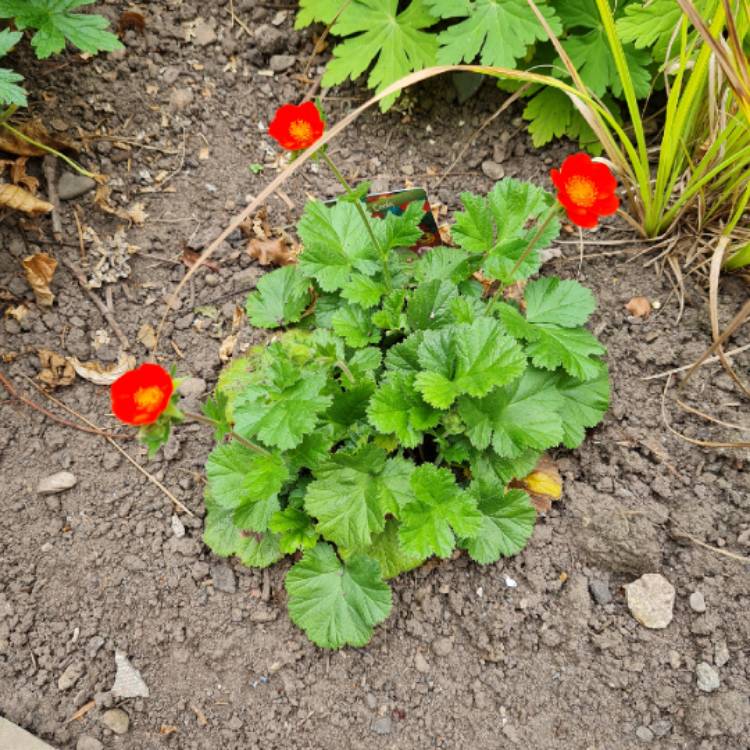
x=465, y=660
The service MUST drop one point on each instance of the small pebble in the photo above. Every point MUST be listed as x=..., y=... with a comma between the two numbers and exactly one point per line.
x=493, y=170
x=420, y=663
x=70, y=676
x=721, y=654
x=511, y=583
x=644, y=734
x=116, y=720
x=54, y=483
x=708, y=678
x=382, y=725
x=72, y=186
x=651, y=600
x=600, y=592
x=697, y=602
x=280, y=63
x=178, y=528
x=442, y=646
x=223, y=578
x=88, y=743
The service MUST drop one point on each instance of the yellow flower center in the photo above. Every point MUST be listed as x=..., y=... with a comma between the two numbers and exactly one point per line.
x=300, y=130
x=148, y=398
x=582, y=191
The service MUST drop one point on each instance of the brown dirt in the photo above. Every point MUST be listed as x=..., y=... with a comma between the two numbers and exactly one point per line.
x=464, y=661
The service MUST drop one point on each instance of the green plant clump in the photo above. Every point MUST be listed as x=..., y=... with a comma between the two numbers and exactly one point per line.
x=383, y=424
x=391, y=43
x=54, y=23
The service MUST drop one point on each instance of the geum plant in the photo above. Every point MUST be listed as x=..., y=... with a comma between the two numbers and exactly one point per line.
x=386, y=419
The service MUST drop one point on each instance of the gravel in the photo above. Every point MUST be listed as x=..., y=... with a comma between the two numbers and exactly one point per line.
x=651, y=600
x=707, y=677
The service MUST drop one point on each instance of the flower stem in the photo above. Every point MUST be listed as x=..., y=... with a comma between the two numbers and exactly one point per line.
x=212, y=422
x=553, y=210
x=363, y=214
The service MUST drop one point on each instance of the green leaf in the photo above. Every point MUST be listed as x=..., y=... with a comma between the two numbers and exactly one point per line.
x=651, y=24
x=349, y=406
x=280, y=298
x=573, y=349
x=364, y=362
x=215, y=409
x=549, y=113
x=345, y=497
x=337, y=244
x=498, y=31
x=468, y=358
x=363, y=290
x=295, y=530
x=430, y=305
x=396, y=407
x=593, y=59
x=564, y=303
x=317, y=11
x=335, y=603
x=355, y=326
x=390, y=554
x=391, y=316
x=219, y=531
x=313, y=451
x=10, y=91
x=259, y=550
x=440, y=510
x=487, y=466
x=502, y=224
x=404, y=356
x=584, y=404
x=282, y=417
x=445, y=263
x=245, y=482
x=399, y=230
x=55, y=24
x=523, y=415
x=507, y=522
x=379, y=34
x=8, y=38
x=395, y=485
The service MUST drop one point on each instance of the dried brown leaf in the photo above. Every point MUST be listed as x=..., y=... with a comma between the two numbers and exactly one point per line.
x=130, y=19
x=147, y=336
x=227, y=347
x=82, y=711
x=190, y=258
x=56, y=370
x=167, y=729
x=35, y=130
x=277, y=252
x=18, y=312
x=639, y=307
x=543, y=485
x=18, y=174
x=40, y=268
x=15, y=197
x=100, y=374
x=134, y=215
x=199, y=715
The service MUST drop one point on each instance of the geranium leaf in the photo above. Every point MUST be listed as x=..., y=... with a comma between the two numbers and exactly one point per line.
x=497, y=31
x=363, y=290
x=295, y=530
x=379, y=34
x=584, y=404
x=507, y=522
x=468, y=358
x=337, y=604
x=259, y=550
x=390, y=554
x=563, y=303
x=397, y=407
x=282, y=417
x=516, y=417
x=355, y=326
x=430, y=305
x=440, y=510
x=280, y=298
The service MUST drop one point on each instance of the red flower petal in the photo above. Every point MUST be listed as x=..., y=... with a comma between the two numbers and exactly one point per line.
x=586, y=189
x=295, y=127
x=140, y=396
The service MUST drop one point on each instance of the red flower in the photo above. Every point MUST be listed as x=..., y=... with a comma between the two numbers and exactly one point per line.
x=141, y=395
x=297, y=127
x=586, y=189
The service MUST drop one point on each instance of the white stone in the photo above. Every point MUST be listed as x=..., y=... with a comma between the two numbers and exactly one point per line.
x=55, y=483
x=708, y=677
x=128, y=680
x=651, y=600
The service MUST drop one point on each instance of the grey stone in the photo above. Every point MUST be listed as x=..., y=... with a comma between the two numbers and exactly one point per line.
x=55, y=483
x=707, y=678
x=382, y=725
x=721, y=654
x=70, y=676
x=644, y=734
x=180, y=99
x=88, y=743
x=223, y=578
x=71, y=186
x=697, y=602
x=205, y=34
x=442, y=646
x=420, y=663
x=651, y=600
x=493, y=170
x=661, y=727
x=178, y=528
x=280, y=63
x=12, y=736
x=600, y=592
x=116, y=720
x=269, y=40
